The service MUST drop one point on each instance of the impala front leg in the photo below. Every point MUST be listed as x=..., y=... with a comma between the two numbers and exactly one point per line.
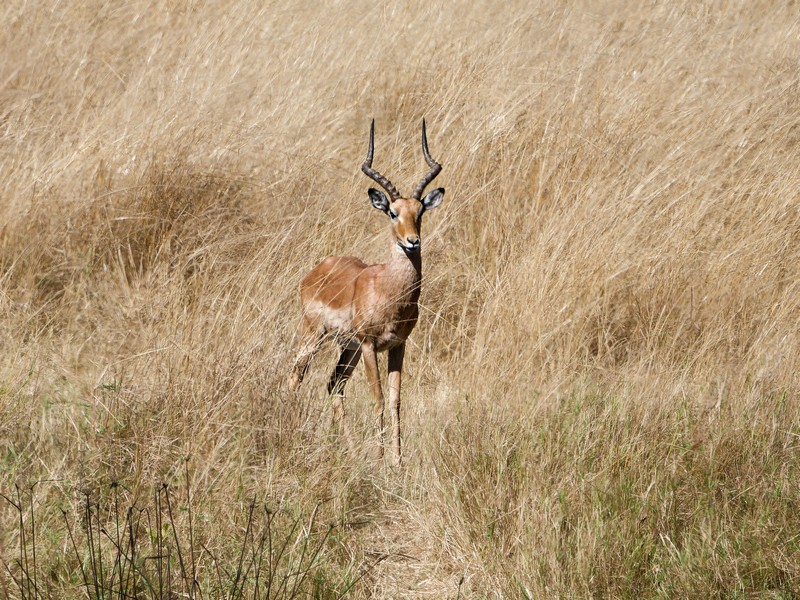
x=373, y=376
x=395, y=370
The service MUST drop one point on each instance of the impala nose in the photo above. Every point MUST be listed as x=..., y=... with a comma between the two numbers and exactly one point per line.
x=412, y=242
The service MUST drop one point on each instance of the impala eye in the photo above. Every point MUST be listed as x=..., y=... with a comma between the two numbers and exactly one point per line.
x=392, y=214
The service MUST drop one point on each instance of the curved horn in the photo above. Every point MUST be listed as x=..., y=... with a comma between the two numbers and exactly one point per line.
x=435, y=167
x=372, y=173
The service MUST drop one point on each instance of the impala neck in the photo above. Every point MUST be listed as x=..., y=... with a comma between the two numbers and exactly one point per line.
x=407, y=268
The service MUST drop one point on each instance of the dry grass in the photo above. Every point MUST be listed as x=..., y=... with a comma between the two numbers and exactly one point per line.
x=601, y=396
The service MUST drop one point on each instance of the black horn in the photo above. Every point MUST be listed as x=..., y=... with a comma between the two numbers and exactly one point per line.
x=372, y=173
x=435, y=167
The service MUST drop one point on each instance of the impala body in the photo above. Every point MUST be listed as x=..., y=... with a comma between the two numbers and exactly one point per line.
x=368, y=309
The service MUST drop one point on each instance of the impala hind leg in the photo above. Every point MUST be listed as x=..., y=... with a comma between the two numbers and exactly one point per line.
x=312, y=341
x=348, y=360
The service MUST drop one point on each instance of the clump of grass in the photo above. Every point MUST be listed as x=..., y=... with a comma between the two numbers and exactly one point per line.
x=614, y=499
x=113, y=545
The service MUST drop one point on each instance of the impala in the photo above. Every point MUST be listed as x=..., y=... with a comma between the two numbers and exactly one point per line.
x=367, y=309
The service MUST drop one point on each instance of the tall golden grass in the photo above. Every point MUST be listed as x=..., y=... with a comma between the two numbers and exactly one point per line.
x=601, y=397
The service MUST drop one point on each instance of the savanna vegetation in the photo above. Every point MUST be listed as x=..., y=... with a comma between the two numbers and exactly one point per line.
x=600, y=398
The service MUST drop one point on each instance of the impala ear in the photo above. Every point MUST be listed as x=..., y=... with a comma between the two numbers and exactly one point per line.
x=433, y=199
x=378, y=199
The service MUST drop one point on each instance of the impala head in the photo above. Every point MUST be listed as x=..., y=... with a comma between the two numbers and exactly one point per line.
x=405, y=213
